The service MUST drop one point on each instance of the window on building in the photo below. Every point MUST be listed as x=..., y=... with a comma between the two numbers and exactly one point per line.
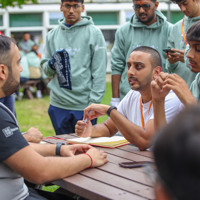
x=175, y=16
x=54, y=17
x=104, y=18
x=1, y=20
x=129, y=14
x=109, y=36
x=25, y=19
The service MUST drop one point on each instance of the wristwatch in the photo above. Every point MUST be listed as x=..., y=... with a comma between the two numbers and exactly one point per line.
x=58, y=147
x=110, y=109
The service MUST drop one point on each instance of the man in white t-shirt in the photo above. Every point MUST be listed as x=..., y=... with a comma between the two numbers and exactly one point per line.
x=134, y=116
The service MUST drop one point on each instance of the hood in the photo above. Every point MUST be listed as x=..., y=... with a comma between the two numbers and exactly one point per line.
x=192, y=20
x=85, y=20
x=189, y=21
x=160, y=20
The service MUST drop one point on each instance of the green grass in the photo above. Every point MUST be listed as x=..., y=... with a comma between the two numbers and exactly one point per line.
x=34, y=113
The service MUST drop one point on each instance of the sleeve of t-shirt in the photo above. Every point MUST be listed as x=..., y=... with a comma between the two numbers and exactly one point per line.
x=11, y=139
x=123, y=105
x=172, y=106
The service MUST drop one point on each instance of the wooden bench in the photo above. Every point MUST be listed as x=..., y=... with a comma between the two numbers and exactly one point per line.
x=26, y=85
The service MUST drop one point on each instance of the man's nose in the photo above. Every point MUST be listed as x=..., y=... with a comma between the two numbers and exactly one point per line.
x=189, y=54
x=71, y=9
x=131, y=70
x=141, y=9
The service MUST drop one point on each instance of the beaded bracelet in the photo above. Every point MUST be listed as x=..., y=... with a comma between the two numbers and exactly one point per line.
x=90, y=159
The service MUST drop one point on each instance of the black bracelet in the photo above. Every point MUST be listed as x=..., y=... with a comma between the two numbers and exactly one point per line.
x=110, y=109
x=58, y=147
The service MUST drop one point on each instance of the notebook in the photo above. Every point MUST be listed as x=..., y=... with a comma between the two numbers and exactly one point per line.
x=108, y=142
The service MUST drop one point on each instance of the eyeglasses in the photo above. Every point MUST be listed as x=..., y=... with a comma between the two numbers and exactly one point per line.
x=75, y=7
x=145, y=7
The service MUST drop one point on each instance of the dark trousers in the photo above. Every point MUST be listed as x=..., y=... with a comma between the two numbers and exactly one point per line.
x=64, y=121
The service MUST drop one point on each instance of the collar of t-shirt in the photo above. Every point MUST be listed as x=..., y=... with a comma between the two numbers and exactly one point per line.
x=68, y=25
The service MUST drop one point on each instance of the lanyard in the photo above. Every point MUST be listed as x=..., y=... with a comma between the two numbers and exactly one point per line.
x=141, y=111
x=183, y=32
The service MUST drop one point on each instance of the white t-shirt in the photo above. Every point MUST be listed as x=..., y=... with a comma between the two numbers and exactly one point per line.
x=130, y=107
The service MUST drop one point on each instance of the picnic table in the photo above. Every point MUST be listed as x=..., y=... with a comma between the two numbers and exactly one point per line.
x=110, y=181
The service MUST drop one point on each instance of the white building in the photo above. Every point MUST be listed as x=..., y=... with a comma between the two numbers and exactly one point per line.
x=38, y=19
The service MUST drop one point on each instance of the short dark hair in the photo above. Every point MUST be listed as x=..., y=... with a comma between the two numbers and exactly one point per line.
x=176, y=151
x=79, y=1
x=155, y=56
x=151, y=0
x=178, y=1
x=193, y=33
x=5, y=47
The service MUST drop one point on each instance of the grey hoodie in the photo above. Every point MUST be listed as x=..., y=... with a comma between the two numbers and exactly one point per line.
x=132, y=35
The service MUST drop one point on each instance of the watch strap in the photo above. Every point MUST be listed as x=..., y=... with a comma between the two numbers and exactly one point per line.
x=58, y=147
x=110, y=109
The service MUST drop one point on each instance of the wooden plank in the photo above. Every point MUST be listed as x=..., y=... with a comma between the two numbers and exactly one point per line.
x=53, y=140
x=127, y=155
x=134, y=174
x=121, y=183
x=135, y=150
x=94, y=190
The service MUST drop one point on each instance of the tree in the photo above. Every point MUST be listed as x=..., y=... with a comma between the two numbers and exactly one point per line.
x=5, y=3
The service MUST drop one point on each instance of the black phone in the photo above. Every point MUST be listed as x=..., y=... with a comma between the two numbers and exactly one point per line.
x=134, y=164
x=168, y=50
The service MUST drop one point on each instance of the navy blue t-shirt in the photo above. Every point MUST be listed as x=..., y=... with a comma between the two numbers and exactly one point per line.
x=11, y=139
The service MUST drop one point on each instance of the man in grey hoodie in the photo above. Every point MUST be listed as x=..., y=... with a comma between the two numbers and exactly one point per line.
x=76, y=59
x=177, y=40
x=148, y=27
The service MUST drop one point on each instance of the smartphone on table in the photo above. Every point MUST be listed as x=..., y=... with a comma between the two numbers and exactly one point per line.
x=134, y=164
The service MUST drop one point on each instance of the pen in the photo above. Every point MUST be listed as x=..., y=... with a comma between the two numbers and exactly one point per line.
x=86, y=117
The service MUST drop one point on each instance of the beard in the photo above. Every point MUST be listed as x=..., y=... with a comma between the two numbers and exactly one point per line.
x=142, y=85
x=148, y=20
x=10, y=86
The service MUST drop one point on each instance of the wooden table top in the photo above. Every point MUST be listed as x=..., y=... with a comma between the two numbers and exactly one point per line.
x=110, y=181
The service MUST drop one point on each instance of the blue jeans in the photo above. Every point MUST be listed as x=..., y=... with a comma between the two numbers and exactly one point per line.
x=64, y=121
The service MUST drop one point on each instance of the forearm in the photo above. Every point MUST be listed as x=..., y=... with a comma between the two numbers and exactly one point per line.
x=133, y=133
x=115, y=85
x=44, y=149
x=159, y=113
x=46, y=169
x=100, y=130
x=59, y=167
x=188, y=100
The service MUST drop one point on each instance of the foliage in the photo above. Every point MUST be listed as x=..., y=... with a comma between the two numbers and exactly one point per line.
x=6, y=3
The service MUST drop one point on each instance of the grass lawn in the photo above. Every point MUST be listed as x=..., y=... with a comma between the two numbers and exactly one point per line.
x=34, y=113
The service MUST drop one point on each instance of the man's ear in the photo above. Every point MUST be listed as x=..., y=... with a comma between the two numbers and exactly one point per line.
x=61, y=7
x=156, y=71
x=83, y=8
x=156, y=5
x=3, y=72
